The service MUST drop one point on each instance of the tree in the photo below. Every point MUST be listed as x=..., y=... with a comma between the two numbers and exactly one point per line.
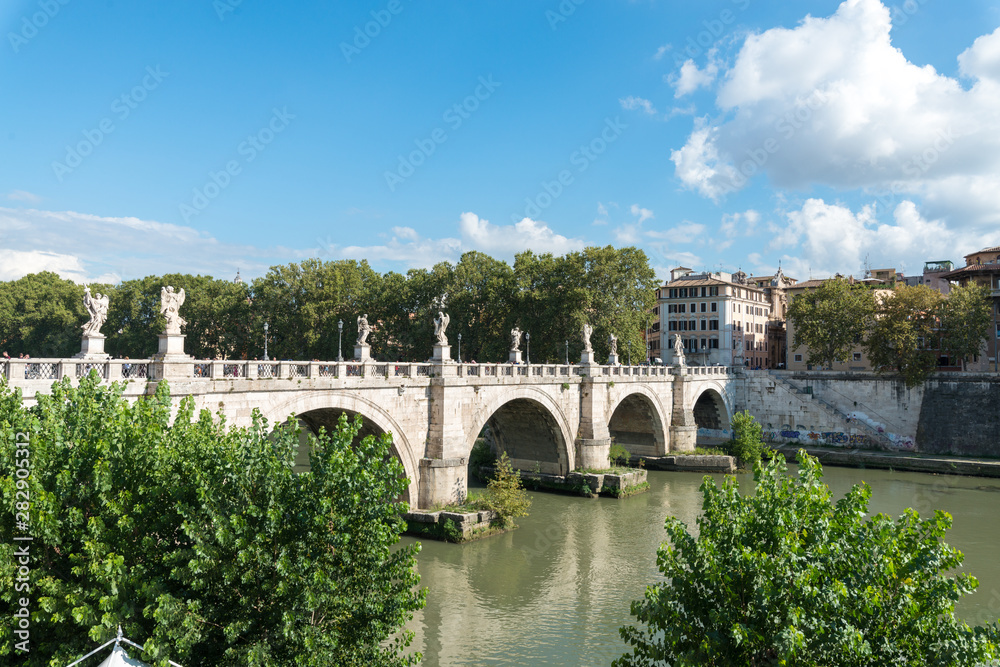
x=504, y=493
x=903, y=337
x=831, y=320
x=200, y=539
x=965, y=321
x=748, y=443
x=41, y=314
x=786, y=576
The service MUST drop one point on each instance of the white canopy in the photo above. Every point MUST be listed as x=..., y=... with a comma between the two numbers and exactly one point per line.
x=119, y=658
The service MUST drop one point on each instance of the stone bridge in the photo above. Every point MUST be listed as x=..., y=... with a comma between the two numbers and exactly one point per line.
x=553, y=418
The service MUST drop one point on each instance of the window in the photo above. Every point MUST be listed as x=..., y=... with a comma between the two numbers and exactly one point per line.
x=684, y=293
x=857, y=356
x=656, y=311
x=713, y=344
x=673, y=293
x=681, y=307
x=672, y=325
x=704, y=325
x=713, y=290
x=704, y=306
x=672, y=308
x=694, y=308
x=715, y=307
x=798, y=357
x=703, y=291
x=713, y=325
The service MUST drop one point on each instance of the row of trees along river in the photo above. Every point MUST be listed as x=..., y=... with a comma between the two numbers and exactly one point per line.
x=547, y=296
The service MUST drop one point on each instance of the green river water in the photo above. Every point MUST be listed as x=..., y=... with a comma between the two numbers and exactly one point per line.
x=556, y=590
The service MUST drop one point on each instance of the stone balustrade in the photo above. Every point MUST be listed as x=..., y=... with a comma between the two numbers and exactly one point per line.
x=18, y=371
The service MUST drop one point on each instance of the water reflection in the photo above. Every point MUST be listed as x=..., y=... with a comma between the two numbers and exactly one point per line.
x=556, y=590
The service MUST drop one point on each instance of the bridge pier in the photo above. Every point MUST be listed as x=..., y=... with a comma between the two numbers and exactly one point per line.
x=444, y=468
x=683, y=427
x=593, y=442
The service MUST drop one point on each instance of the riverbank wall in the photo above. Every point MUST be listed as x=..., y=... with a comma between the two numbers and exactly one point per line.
x=951, y=413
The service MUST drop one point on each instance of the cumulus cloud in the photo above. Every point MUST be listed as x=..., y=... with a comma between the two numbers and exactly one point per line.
x=90, y=248
x=690, y=78
x=831, y=238
x=642, y=213
x=406, y=246
x=833, y=102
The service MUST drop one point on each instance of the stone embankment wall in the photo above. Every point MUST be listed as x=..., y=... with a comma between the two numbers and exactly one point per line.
x=950, y=414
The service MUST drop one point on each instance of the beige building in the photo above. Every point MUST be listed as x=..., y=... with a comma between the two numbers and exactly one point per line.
x=983, y=268
x=776, y=289
x=721, y=319
x=798, y=356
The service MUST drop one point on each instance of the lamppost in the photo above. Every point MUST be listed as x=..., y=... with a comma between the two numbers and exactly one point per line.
x=567, y=353
x=629, y=352
x=459, y=348
x=340, y=340
x=527, y=356
x=265, y=342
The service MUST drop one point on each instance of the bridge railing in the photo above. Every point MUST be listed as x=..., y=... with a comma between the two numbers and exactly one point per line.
x=17, y=371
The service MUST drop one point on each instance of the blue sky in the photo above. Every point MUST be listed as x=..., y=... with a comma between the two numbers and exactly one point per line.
x=204, y=136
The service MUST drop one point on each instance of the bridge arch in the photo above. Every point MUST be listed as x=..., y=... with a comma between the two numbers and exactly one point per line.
x=711, y=410
x=637, y=422
x=322, y=408
x=530, y=426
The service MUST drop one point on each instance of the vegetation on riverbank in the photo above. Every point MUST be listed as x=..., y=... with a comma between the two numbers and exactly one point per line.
x=198, y=538
x=829, y=585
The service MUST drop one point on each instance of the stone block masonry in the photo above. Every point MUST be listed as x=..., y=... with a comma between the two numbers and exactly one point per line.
x=949, y=414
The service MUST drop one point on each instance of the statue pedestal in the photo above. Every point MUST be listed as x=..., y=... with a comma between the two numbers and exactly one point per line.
x=363, y=352
x=170, y=362
x=613, y=360
x=587, y=358
x=171, y=348
x=92, y=347
x=515, y=357
x=442, y=355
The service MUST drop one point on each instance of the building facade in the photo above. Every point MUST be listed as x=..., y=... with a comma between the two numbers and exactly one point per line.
x=983, y=268
x=721, y=319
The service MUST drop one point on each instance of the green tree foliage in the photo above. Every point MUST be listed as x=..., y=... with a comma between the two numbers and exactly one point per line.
x=41, y=315
x=748, y=443
x=903, y=336
x=785, y=576
x=505, y=494
x=965, y=321
x=831, y=320
x=219, y=323
x=549, y=297
x=199, y=539
x=302, y=304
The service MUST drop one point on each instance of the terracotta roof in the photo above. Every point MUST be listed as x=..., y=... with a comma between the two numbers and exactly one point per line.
x=973, y=268
x=816, y=282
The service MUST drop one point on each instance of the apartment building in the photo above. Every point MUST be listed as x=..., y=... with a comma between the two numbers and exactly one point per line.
x=983, y=267
x=721, y=318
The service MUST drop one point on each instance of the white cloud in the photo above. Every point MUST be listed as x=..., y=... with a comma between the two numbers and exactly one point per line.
x=22, y=195
x=408, y=247
x=830, y=238
x=691, y=78
x=735, y=224
x=631, y=103
x=661, y=51
x=90, y=248
x=833, y=102
x=643, y=214
x=528, y=234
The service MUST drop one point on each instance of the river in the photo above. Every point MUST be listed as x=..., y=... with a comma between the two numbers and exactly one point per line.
x=556, y=590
